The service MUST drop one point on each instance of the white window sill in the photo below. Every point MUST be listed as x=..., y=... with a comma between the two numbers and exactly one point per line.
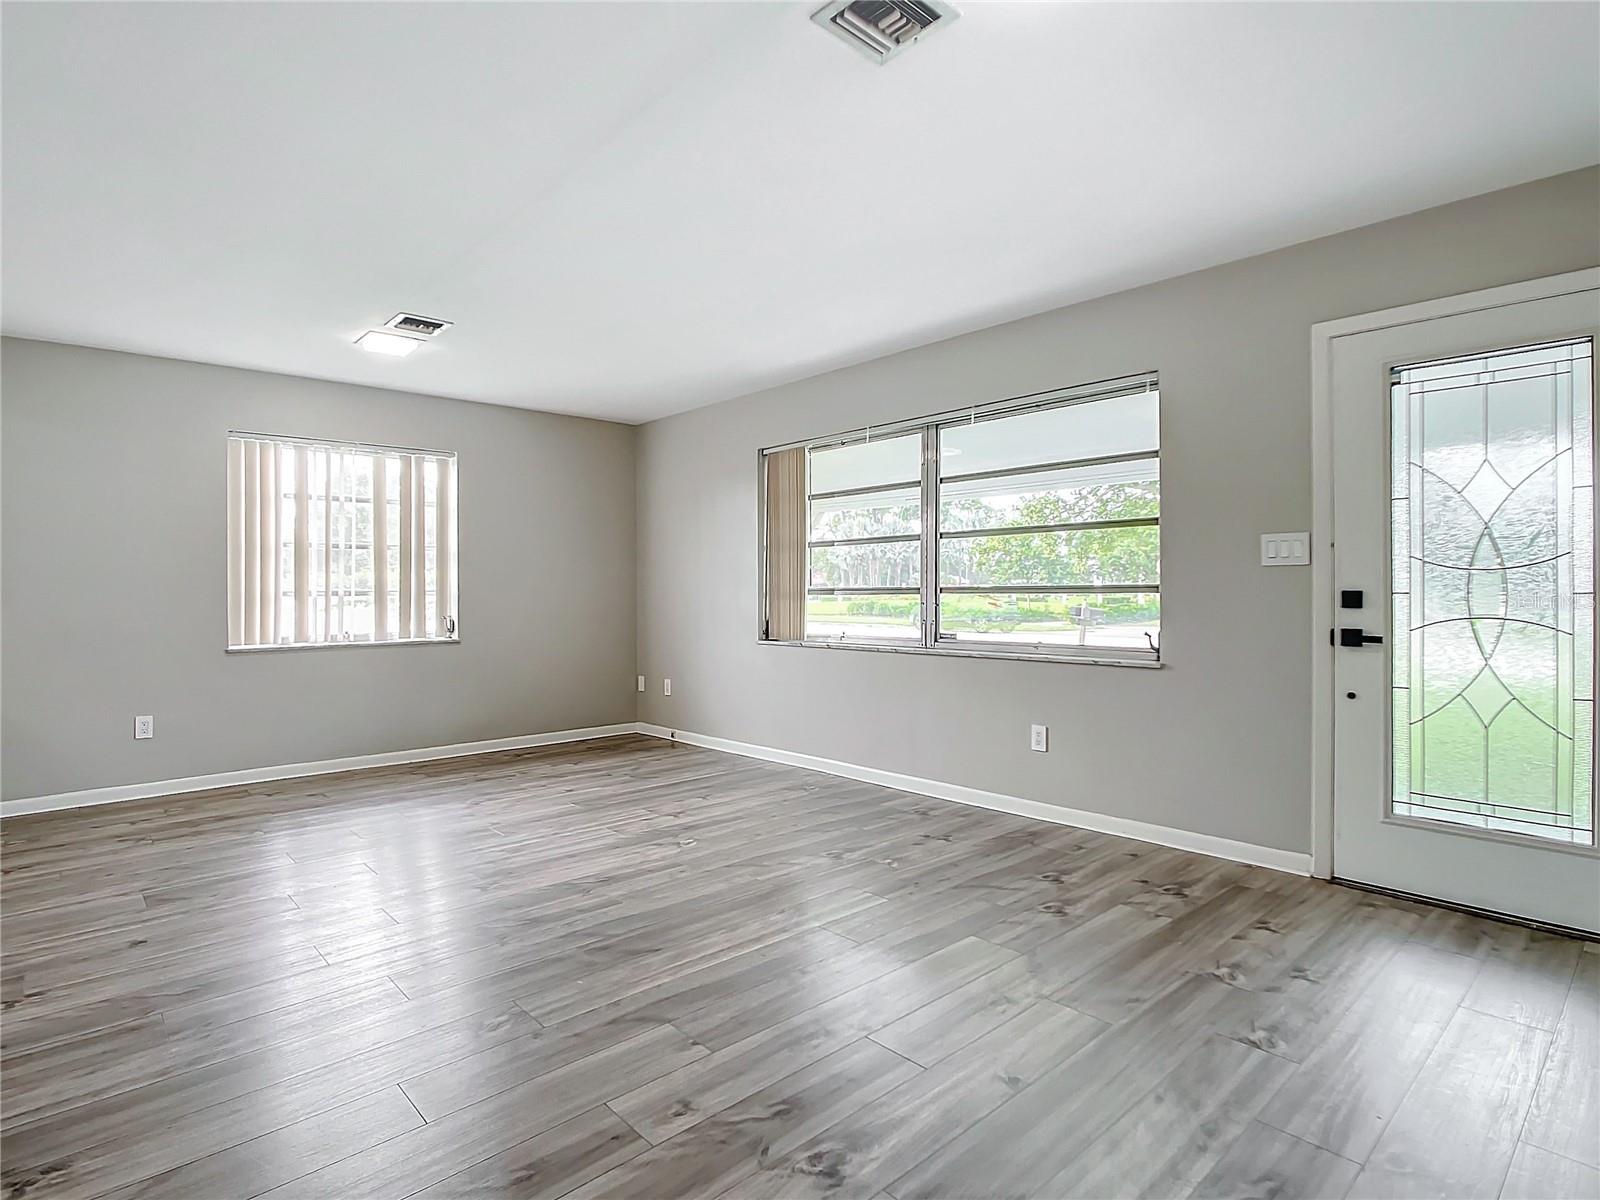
x=1102, y=659
x=276, y=646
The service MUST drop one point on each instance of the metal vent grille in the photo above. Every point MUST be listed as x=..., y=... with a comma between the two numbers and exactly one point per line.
x=880, y=29
x=411, y=323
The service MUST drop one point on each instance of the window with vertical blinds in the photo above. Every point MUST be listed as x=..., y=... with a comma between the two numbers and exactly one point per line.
x=339, y=543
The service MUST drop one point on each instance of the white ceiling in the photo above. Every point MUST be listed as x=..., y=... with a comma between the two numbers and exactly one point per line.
x=631, y=209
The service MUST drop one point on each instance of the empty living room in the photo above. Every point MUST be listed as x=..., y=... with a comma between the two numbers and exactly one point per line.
x=878, y=599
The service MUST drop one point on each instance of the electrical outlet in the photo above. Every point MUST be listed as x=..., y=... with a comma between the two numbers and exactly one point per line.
x=144, y=727
x=641, y=683
x=666, y=687
x=1040, y=740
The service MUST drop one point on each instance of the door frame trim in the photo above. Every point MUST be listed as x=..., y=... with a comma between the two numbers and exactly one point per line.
x=1323, y=335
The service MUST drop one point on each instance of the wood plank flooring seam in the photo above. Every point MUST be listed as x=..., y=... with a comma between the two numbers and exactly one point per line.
x=1527, y=1113
x=503, y=976
x=66, y=1113
x=628, y=1123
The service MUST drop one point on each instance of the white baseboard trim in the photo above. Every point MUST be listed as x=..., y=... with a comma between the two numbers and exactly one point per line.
x=1162, y=835
x=327, y=766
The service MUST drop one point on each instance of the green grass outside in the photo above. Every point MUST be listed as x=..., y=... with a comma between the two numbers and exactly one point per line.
x=980, y=613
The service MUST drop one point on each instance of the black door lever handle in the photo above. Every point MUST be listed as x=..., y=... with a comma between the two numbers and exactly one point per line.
x=1357, y=637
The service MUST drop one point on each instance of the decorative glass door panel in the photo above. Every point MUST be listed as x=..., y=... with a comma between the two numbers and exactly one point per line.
x=1492, y=611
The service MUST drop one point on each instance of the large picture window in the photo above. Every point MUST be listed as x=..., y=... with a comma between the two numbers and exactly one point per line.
x=1025, y=527
x=339, y=543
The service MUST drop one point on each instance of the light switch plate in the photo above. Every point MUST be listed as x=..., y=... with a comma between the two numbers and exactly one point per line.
x=1285, y=549
x=666, y=687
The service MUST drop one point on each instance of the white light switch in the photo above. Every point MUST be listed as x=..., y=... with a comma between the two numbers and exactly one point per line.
x=1285, y=549
x=641, y=683
x=666, y=687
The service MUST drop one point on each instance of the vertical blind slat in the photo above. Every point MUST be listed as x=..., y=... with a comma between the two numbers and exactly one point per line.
x=407, y=487
x=327, y=544
x=380, y=546
x=444, y=549
x=302, y=544
x=235, y=542
x=250, y=631
x=419, y=544
x=271, y=505
x=340, y=481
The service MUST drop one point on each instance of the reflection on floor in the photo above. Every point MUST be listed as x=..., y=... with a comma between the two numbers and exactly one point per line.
x=633, y=968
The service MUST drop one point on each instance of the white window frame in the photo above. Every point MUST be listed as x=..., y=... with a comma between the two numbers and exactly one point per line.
x=933, y=639
x=449, y=510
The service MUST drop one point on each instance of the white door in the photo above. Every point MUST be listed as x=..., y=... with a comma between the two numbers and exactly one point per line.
x=1463, y=466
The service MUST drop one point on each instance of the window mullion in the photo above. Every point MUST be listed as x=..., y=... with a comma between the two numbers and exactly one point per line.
x=930, y=535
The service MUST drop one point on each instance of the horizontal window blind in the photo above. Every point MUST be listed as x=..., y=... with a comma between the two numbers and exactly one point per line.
x=1024, y=526
x=333, y=542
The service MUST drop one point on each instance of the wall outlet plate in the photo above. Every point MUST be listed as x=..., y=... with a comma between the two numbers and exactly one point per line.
x=1040, y=739
x=144, y=727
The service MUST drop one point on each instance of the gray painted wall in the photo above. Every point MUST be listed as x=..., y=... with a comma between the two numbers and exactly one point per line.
x=1217, y=741
x=114, y=603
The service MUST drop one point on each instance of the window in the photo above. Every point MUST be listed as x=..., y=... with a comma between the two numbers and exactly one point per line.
x=339, y=543
x=1026, y=527
x=1492, y=609
x=864, y=523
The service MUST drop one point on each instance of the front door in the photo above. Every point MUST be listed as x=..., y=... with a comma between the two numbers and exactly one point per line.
x=1464, y=608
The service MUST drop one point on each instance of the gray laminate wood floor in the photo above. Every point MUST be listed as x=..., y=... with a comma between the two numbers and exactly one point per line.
x=629, y=968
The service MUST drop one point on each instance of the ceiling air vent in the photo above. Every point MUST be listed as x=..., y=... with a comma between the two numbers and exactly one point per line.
x=880, y=29
x=413, y=324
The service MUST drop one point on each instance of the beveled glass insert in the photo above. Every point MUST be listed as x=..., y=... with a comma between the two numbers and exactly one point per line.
x=1492, y=611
